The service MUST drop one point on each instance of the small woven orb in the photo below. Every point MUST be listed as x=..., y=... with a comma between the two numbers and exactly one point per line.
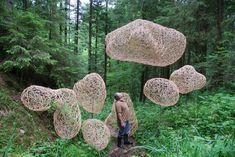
x=91, y=92
x=64, y=96
x=188, y=79
x=67, y=121
x=96, y=133
x=145, y=42
x=161, y=91
x=111, y=120
x=37, y=98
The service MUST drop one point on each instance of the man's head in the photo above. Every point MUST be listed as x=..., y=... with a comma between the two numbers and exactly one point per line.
x=118, y=96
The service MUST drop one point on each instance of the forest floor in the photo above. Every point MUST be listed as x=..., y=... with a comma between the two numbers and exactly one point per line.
x=127, y=150
x=18, y=126
x=200, y=125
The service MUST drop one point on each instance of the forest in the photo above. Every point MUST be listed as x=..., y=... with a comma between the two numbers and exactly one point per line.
x=55, y=43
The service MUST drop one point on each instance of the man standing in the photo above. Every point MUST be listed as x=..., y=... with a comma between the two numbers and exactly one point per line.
x=123, y=114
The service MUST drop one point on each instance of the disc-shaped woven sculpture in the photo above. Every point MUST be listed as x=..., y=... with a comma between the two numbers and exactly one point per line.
x=111, y=120
x=145, y=42
x=64, y=96
x=37, y=98
x=96, y=133
x=91, y=92
x=161, y=91
x=188, y=79
x=67, y=120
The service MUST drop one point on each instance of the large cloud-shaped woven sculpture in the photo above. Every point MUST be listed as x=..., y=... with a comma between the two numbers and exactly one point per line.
x=37, y=98
x=161, y=91
x=67, y=117
x=91, y=92
x=145, y=42
x=111, y=120
x=188, y=79
x=96, y=133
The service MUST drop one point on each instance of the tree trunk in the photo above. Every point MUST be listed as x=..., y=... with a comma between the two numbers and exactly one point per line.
x=66, y=25
x=144, y=77
x=61, y=27
x=69, y=27
x=77, y=28
x=90, y=38
x=96, y=34
x=219, y=19
x=10, y=4
x=25, y=4
x=106, y=32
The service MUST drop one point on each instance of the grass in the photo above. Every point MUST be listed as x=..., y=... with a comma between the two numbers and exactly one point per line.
x=200, y=125
x=200, y=128
x=16, y=119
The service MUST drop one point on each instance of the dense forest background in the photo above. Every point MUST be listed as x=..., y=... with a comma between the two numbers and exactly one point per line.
x=55, y=43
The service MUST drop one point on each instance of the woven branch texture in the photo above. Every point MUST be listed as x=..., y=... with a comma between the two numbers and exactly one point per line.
x=64, y=96
x=111, y=120
x=145, y=42
x=188, y=79
x=37, y=98
x=96, y=133
x=91, y=92
x=161, y=91
x=67, y=120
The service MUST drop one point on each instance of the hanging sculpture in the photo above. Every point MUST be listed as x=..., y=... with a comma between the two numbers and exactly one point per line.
x=96, y=133
x=145, y=42
x=67, y=117
x=37, y=98
x=161, y=91
x=188, y=79
x=91, y=92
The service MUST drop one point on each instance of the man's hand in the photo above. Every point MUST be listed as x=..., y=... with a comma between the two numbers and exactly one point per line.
x=122, y=124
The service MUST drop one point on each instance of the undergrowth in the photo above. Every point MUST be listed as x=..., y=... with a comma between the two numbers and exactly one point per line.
x=200, y=125
x=194, y=128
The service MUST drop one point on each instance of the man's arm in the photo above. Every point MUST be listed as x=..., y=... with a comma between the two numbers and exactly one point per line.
x=121, y=119
x=119, y=114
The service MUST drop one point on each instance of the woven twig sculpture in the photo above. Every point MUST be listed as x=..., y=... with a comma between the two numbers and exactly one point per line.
x=161, y=91
x=67, y=117
x=188, y=79
x=64, y=96
x=145, y=42
x=96, y=133
x=91, y=92
x=111, y=120
x=37, y=98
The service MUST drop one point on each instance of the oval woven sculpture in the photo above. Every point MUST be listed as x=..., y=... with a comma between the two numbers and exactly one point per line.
x=96, y=133
x=64, y=96
x=91, y=92
x=111, y=120
x=188, y=79
x=161, y=91
x=67, y=119
x=145, y=42
x=37, y=98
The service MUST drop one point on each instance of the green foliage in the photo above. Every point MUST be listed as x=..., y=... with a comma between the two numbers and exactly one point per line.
x=28, y=50
x=199, y=125
x=199, y=128
x=124, y=77
x=62, y=148
x=13, y=118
